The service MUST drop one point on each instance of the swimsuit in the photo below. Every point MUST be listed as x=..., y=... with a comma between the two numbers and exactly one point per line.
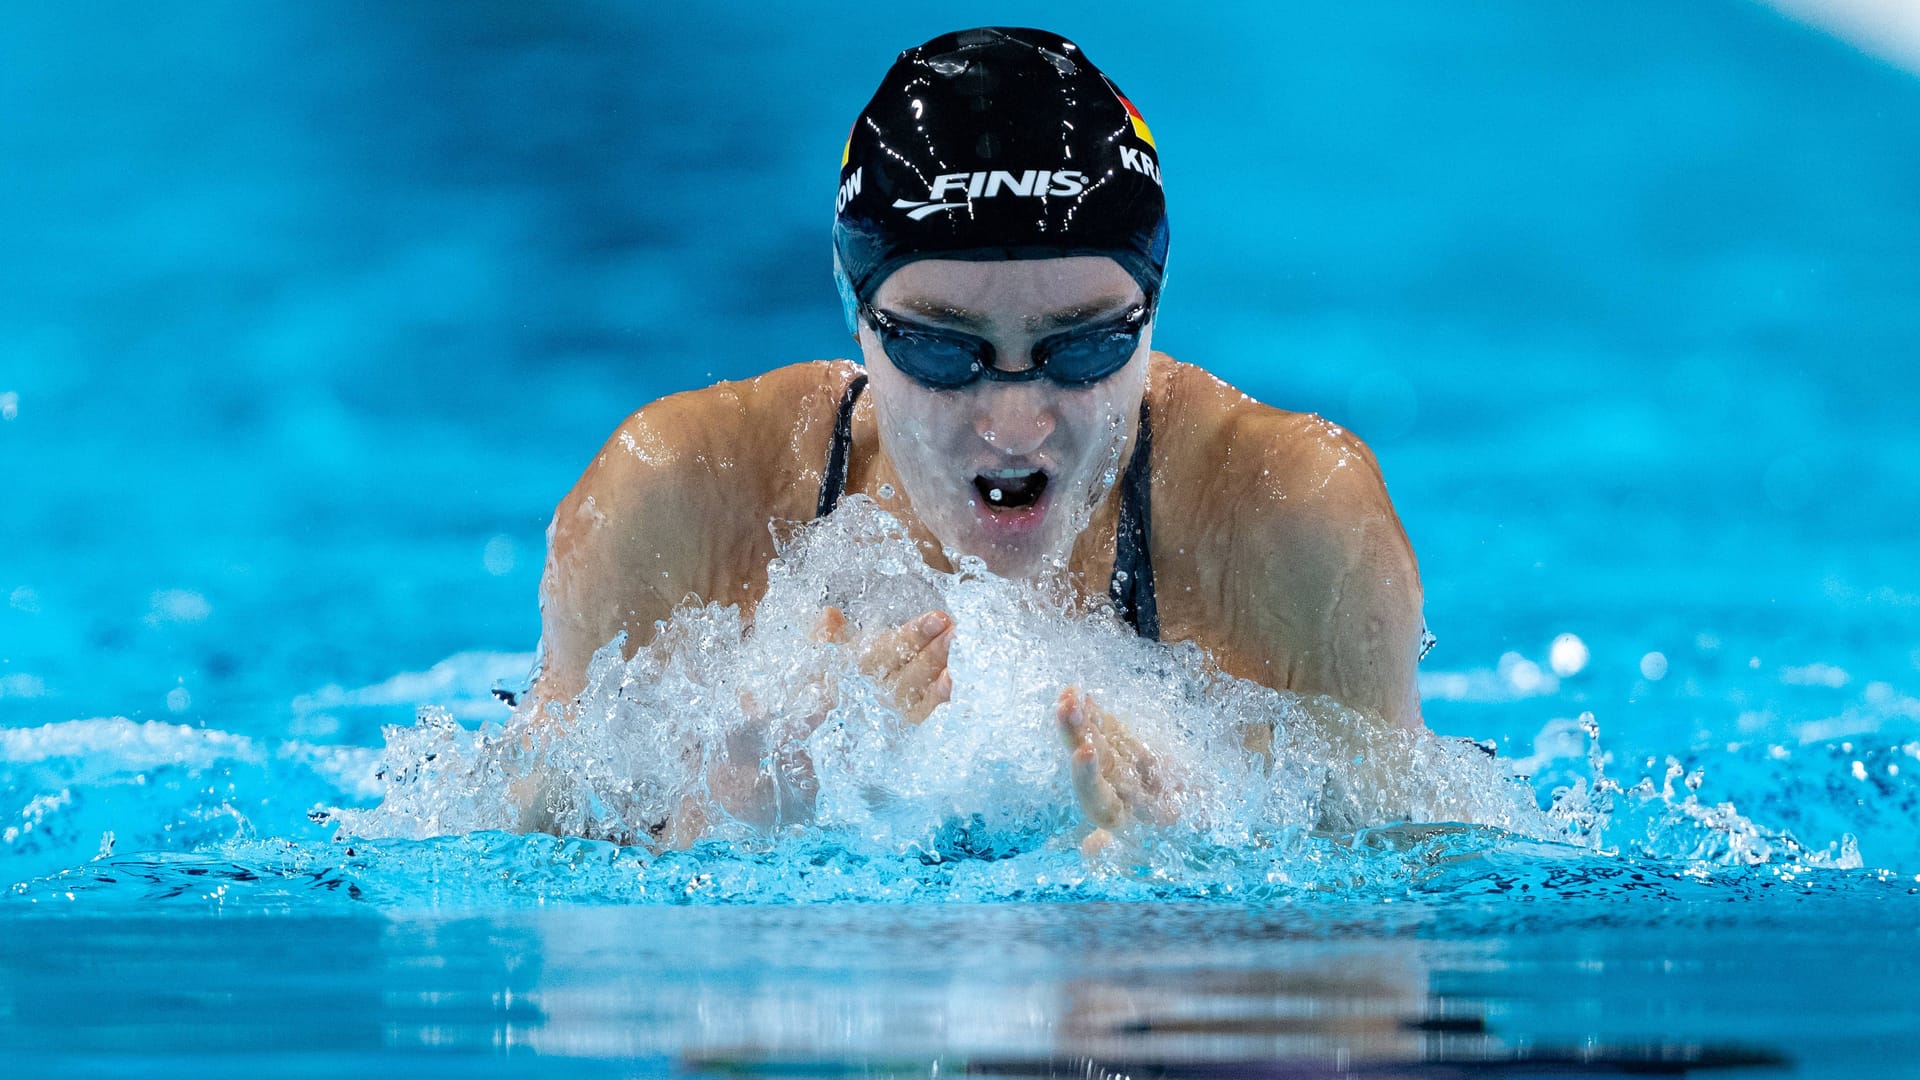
x=1132, y=585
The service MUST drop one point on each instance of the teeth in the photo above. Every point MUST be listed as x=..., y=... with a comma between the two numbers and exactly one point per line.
x=1011, y=487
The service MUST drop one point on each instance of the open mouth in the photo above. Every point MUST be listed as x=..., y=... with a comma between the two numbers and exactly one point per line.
x=1011, y=489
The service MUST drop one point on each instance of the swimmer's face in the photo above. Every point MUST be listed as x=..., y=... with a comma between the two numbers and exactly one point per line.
x=1007, y=471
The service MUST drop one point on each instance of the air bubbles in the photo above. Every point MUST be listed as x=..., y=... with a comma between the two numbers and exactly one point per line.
x=1653, y=666
x=22, y=685
x=500, y=555
x=886, y=491
x=179, y=700
x=1523, y=676
x=1568, y=655
x=1815, y=674
x=177, y=606
x=10, y=405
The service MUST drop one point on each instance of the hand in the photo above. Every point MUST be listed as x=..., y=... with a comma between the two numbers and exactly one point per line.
x=909, y=661
x=1117, y=778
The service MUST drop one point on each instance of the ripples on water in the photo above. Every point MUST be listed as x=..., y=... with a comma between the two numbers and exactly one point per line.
x=973, y=805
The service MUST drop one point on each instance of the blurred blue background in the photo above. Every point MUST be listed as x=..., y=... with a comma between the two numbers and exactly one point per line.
x=309, y=313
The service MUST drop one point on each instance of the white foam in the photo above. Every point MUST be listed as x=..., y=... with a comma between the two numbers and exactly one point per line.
x=1815, y=674
x=22, y=685
x=177, y=606
x=1515, y=678
x=128, y=745
x=720, y=706
x=461, y=684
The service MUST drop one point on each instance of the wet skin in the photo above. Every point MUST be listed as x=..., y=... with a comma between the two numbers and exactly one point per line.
x=1275, y=546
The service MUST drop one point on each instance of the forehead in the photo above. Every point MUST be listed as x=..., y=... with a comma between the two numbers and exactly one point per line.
x=969, y=292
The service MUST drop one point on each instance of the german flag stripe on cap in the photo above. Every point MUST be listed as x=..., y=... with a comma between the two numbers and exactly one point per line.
x=1139, y=123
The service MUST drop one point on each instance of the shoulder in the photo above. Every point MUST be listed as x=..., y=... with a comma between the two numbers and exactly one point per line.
x=744, y=432
x=677, y=504
x=1291, y=498
x=671, y=429
x=693, y=467
x=1287, y=465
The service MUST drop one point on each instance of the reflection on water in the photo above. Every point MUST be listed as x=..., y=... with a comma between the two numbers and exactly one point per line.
x=1009, y=990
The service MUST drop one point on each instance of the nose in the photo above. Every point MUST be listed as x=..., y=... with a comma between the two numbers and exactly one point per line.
x=1013, y=418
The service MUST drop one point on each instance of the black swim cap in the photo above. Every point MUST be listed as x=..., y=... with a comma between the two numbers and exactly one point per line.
x=996, y=143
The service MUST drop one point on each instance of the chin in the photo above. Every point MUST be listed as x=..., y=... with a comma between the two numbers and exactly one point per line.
x=1016, y=564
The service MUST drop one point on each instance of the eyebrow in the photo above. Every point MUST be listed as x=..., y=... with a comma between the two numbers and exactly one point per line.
x=962, y=319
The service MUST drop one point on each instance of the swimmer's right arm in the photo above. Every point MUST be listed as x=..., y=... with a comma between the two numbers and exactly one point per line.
x=676, y=506
x=648, y=526
x=589, y=592
x=909, y=661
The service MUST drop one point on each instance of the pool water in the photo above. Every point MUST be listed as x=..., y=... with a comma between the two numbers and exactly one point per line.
x=306, y=324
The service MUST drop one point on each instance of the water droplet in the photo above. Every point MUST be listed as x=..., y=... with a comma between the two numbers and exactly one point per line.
x=1568, y=655
x=499, y=555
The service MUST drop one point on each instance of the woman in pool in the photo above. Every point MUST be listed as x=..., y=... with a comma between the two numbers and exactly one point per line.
x=1000, y=239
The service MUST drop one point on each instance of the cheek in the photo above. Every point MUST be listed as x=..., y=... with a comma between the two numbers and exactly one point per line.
x=917, y=426
x=1098, y=416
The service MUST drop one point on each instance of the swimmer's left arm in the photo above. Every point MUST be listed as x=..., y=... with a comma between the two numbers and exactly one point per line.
x=1333, y=588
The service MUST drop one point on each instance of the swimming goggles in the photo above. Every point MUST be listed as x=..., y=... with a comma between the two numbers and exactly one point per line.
x=949, y=359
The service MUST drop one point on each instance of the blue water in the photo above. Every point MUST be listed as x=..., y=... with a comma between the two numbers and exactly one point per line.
x=307, y=320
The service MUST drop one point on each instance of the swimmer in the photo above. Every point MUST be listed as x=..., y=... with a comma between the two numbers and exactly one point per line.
x=1000, y=243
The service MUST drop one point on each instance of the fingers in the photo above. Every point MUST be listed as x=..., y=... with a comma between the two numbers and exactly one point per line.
x=1092, y=759
x=1083, y=720
x=910, y=660
x=1116, y=777
x=1098, y=800
x=924, y=683
x=832, y=627
x=891, y=652
x=925, y=654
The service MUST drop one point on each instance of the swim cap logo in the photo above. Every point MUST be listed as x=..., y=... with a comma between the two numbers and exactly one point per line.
x=848, y=189
x=1033, y=183
x=1141, y=162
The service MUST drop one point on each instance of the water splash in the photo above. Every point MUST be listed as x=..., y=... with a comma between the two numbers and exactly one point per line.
x=738, y=758
x=743, y=727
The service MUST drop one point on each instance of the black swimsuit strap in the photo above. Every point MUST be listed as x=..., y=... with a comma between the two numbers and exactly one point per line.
x=833, y=483
x=1132, y=586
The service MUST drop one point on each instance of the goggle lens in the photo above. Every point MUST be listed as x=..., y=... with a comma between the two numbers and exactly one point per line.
x=949, y=359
